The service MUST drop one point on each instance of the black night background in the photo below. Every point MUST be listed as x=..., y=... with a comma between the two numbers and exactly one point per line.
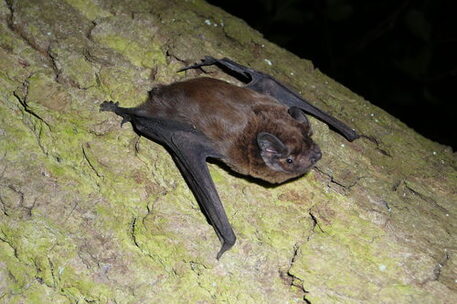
x=399, y=55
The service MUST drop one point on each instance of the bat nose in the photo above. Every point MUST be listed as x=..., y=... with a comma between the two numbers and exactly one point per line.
x=316, y=154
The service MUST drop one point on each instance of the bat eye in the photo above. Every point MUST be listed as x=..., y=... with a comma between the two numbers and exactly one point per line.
x=289, y=160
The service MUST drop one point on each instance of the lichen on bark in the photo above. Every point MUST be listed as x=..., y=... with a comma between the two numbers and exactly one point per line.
x=92, y=213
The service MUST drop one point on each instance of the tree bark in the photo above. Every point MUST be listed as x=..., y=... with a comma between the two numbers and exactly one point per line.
x=92, y=213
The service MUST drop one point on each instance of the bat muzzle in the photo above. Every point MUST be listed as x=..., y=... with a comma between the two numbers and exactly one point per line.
x=316, y=154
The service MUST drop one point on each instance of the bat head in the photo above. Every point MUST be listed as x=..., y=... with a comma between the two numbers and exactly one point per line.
x=291, y=150
x=288, y=156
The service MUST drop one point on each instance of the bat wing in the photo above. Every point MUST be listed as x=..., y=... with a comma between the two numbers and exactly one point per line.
x=190, y=149
x=268, y=85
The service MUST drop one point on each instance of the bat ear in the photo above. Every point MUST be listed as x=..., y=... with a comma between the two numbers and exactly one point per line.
x=298, y=115
x=270, y=145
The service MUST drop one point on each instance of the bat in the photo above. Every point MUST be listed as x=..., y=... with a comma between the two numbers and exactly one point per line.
x=258, y=130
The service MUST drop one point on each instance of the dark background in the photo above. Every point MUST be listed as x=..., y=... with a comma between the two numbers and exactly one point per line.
x=400, y=55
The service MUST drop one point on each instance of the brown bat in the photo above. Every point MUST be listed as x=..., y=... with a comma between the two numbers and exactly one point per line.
x=258, y=130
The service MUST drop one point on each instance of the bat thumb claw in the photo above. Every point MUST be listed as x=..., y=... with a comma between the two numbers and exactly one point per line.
x=208, y=60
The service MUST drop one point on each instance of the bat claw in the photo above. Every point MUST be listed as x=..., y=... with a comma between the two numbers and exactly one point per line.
x=208, y=60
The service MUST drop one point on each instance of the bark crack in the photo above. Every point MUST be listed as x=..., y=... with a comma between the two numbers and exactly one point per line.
x=425, y=198
x=315, y=224
x=292, y=280
x=4, y=209
x=19, y=30
x=2, y=203
x=86, y=158
x=21, y=203
x=132, y=233
x=54, y=65
x=196, y=267
x=89, y=31
x=377, y=143
x=24, y=103
x=21, y=94
x=339, y=184
x=9, y=243
x=407, y=186
x=438, y=268
x=436, y=273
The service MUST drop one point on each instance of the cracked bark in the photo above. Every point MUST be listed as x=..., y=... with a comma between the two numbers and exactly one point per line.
x=4, y=210
x=377, y=143
x=86, y=158
x=17, y=28
x=369, y=212
x=132, y=233
x=437, y=270
x=292, y=280
x=335, y=182
x=23, y=102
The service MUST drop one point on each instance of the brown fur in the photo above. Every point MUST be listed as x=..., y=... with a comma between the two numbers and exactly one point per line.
x=231, y=117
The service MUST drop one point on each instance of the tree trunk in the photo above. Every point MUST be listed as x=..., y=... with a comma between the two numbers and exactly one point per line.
x=92, y=213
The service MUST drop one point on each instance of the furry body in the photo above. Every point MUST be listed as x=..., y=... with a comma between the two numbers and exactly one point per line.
x=232, y=117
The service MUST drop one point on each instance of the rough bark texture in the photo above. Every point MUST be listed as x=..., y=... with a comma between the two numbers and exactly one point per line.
x=92, y=213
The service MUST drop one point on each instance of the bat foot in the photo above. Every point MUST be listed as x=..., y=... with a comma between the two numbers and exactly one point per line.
x=109, y=106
